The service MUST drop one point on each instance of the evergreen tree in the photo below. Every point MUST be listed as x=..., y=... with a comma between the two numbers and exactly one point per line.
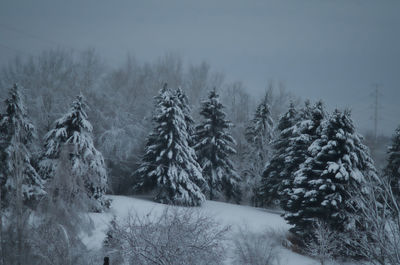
x=184, y=105
x=73, y=129
x=306, y=130
x=169, y=165
x=16, y=137
x=214, y=145
x=338, y=163
x=392, y=170
x=259, y=135
x=275, y=177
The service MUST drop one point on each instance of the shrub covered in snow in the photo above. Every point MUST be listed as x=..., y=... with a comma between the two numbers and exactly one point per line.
x=262, y=248
x=176, y=237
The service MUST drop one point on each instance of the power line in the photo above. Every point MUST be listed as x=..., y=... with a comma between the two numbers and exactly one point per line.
x=376, y=94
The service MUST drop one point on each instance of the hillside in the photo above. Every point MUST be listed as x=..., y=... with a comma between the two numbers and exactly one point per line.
x=236, y=216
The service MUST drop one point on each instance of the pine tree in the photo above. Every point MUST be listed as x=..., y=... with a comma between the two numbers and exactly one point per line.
x=169, y=165
x=392, y=170
x=16, y=138
x=214, y=145
x=276, y=178
x=73, y=129
x=184, y=105
x=259, y=134
x=338, y=163
x=304, y=133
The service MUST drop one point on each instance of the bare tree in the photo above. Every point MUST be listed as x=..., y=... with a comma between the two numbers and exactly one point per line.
x=252, y=248
x=376, y=233
x=324, y=244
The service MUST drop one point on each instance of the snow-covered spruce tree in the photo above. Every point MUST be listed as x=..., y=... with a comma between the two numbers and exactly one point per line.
x=338, y=164
x=16, y=136
x=392, y=170
x=276, y=177
x=169, y=164
x=259, y=134
x=214, y=145
x=73, y=129
x=306, y=130
x=184, y=105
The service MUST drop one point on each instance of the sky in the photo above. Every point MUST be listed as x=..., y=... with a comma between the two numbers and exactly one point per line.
x=334, y=50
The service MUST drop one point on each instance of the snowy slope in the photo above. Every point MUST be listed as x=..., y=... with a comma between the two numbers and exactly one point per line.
x=236, y=216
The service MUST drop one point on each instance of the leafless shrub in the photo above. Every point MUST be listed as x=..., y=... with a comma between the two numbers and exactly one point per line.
x=376, y=236
x=324, y=244
x=252, y=248
x=175, y=237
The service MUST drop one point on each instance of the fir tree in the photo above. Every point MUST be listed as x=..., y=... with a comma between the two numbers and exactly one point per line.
x=275, y=177
x=338, y=163
x=16, y=137
x=73, y=129
x=184, y=105
x=304, y=133
x=260, y=130
x=259, y=135
x=169, y=165
x=392, y=170
x=214, y=145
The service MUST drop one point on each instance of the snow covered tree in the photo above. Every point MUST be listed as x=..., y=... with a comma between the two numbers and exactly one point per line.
x=260, y=130
x=20, y=183
x=87, y=162
x=258, y=135
x=392, y=170
x=276, y=178
x=184, y=105
x=338, y=163
x=214, y=145
x=306, y=130
x=16, y=136
x=169, y=165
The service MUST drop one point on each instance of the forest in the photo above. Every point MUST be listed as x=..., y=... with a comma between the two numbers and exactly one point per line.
x=75, y=130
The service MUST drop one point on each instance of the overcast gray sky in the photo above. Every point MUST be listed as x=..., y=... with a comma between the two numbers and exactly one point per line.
x=329, y=49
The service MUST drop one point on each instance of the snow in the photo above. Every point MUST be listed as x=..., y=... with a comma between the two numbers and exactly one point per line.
x=236, y=216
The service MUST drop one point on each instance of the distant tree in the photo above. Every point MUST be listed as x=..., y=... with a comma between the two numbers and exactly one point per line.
x=338, y=163
x=392, y=170
x=214, y=145
x=169, y=165
x=87, y=162
x=16, y=136
x=276, y=177
x=259, y=132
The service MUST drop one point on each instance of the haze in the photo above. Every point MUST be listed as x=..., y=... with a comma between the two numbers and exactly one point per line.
x=333, y=50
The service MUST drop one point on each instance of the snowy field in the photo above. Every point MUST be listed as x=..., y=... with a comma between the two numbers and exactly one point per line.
x=236, y=216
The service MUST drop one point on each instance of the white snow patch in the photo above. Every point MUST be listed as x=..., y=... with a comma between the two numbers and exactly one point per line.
x=236, y=216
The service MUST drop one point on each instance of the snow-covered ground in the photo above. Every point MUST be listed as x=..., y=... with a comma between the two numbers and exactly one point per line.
x=236, y=216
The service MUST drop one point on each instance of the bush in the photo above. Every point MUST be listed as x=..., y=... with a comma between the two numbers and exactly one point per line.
x=177, y=236
x=257, y=248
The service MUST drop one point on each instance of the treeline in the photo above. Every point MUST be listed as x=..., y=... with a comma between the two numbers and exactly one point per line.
x=120, y=99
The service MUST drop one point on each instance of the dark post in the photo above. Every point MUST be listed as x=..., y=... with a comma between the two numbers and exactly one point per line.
x=106, y=261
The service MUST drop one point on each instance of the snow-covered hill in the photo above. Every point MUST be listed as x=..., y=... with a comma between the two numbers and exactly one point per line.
x=236, y=216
